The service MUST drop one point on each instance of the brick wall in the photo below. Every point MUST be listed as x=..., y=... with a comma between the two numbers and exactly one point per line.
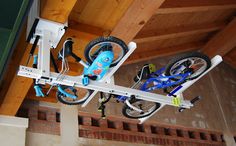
x=47, y=120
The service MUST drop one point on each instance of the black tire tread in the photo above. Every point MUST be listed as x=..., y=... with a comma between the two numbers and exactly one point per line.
x=187, y=55
x=104, y=39
x=127, y=107
x=72, y=103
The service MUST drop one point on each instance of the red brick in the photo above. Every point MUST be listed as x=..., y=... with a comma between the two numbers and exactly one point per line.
x=103, y=123
x=87, y=121
x=119, y=125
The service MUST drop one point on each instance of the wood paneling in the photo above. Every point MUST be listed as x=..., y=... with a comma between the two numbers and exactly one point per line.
x=175, y=32
x=229, y=58
x=181, y=6
x=151, y=46
x=166, y=21
x=100, y=13
x=55, y=10
x=223, y=41
x=160, y=52
x=135, y=18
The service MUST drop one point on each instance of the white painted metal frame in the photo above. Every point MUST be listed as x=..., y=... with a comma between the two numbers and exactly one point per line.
x=50, y=34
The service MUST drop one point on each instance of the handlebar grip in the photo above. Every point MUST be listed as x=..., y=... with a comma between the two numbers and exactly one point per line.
x=65, y=93
x=38, y=90
x=195, y=99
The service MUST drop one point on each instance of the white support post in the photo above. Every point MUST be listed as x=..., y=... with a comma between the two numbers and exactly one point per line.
x=44, y=54
x=69, y=125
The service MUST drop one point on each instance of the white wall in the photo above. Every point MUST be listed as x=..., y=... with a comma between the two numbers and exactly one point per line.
x=12, y=131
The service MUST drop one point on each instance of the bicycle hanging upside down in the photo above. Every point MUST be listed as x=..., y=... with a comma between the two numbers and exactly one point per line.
x=104, y=56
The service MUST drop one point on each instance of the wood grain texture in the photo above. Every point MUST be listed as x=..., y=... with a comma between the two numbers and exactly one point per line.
x=222, y=42
x=229, y=58
x=160, y=52
x=179, y=31
x=183, y=6
x=139, y=12
x=55, y=10
x=103, y=14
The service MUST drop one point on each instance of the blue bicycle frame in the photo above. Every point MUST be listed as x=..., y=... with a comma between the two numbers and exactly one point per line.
x=159, y=81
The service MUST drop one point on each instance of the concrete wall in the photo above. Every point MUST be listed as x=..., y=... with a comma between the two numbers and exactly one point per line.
x=12, y=131
x=37, y=139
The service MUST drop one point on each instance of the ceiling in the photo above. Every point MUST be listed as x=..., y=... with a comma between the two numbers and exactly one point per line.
x=160, y=28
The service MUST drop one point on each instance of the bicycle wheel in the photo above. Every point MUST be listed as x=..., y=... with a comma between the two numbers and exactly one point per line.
x=93, y=49
x=80, y=95
x=194, y=62
x=146, y=106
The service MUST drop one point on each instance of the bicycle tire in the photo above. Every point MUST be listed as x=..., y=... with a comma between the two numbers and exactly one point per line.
x=126, y=109
x=62, y=98
x=109, y=39
x=183, y=57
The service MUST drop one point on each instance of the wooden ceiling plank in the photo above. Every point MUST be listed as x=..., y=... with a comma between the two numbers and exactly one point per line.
x=138, y=13
x=17, y=91
x=180, y=31
x=50, y=9
x=161, y=52
x=222, y=42
x=55, y=10
x=86, y=28
x=229, y=58
x=184, y=6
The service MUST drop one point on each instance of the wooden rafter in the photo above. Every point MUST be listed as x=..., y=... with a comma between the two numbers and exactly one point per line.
x=53, y=10
x=222, y=42
x=182, y=6
x=160, y=52
x=229, y=58
x=179, y=31
x=139, y=12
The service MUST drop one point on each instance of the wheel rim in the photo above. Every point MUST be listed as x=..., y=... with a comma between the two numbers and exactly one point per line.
x=198, y=65
x=82, y=95
x=116, y=48
x=146, y=106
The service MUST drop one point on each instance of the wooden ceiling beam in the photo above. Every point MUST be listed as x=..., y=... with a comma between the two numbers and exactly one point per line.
x=179, y=31
x=52, y=10
x=184, y=6
x=222, y=42
x=87, y=28
x=161, y=52
x=55, y=10
x=229, y=58
x=138, y=13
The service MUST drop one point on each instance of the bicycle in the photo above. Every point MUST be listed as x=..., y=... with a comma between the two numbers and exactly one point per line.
x=178, y=71
x=106, y=52
x=101, y=54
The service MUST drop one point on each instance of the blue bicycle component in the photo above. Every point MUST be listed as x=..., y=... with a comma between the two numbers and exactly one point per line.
x=157, y=80
x=38, y=90
x=100, y=65
x=101, y=54
x=66, y=93
x=179, y=70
